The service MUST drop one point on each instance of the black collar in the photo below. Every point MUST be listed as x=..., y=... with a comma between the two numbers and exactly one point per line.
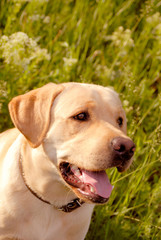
x=69, y=207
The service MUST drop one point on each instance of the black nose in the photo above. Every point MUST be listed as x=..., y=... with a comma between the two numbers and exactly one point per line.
x=123, y=147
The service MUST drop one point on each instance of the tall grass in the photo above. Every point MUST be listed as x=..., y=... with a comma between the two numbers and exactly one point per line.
x=116, y=43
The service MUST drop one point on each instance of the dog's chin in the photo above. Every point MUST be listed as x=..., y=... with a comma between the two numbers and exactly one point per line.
x=124, y=165
x=90, y=186
x=122, y=169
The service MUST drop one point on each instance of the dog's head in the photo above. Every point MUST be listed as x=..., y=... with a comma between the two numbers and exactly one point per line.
x=82, y=128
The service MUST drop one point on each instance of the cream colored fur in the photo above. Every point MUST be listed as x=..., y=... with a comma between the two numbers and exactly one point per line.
x=45, y=135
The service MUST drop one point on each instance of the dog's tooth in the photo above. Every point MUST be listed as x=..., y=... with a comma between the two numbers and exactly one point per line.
x=74, y=168
x=77, y=172
x=92, y=189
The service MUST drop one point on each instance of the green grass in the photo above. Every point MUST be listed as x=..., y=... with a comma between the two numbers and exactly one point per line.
x=116, y=43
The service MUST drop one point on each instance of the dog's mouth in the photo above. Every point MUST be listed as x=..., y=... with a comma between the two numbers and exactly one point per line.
x=91, y=185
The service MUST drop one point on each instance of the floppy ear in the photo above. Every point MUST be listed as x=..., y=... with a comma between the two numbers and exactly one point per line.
x=30, y=112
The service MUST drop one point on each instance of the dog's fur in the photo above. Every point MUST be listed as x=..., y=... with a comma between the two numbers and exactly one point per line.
x=45, y=135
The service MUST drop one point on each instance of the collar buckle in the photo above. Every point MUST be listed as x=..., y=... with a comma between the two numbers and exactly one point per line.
x=74, y=204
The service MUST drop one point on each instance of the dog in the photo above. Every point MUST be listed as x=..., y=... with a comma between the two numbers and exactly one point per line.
x=52, y=164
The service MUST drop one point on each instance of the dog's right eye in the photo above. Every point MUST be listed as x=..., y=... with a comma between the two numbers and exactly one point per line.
x=81, y=116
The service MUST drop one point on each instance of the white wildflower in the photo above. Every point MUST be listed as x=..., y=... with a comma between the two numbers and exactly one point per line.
x=35, y=17
x=69, y=62
x=158, y=29
x=3, y=88
x=64, y=44
x=4, y=39
x=122, y=38
x=126, y=103
x=127, y=106
x=38, y=17
x=154, y=19
x=154, y=22
x=19, y=50
x=46, y=19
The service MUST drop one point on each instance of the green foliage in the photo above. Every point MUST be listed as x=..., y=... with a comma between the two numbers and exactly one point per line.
x=106, y=42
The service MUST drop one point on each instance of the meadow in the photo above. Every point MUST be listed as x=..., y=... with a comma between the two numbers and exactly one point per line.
x=112, y=43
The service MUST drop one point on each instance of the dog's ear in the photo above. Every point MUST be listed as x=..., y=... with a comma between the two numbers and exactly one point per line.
x=30, y=112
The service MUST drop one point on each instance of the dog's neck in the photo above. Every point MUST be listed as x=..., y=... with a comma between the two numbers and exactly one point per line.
x=43, y=178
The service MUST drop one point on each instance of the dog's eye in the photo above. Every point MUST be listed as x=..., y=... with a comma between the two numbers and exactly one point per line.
x=120, y=121
x=81, y=116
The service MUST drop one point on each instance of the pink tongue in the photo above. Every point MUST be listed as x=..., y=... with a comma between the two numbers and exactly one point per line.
x=99, y=181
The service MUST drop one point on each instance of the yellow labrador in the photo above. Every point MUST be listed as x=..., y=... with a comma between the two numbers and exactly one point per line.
x=52, y=165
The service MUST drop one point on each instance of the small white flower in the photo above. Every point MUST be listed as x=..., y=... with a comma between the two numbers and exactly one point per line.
x=35, y=17
x=70, y=61
x=126, y=103
x=154, y=19
x=122, y=38
x=3, y=39
x=46, y=20
x=64, y=44
x=19, y=50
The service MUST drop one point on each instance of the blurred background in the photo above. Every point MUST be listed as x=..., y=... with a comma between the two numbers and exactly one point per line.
x=112, y=43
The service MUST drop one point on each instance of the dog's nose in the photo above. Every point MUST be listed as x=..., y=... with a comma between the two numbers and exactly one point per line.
x=123, y=147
